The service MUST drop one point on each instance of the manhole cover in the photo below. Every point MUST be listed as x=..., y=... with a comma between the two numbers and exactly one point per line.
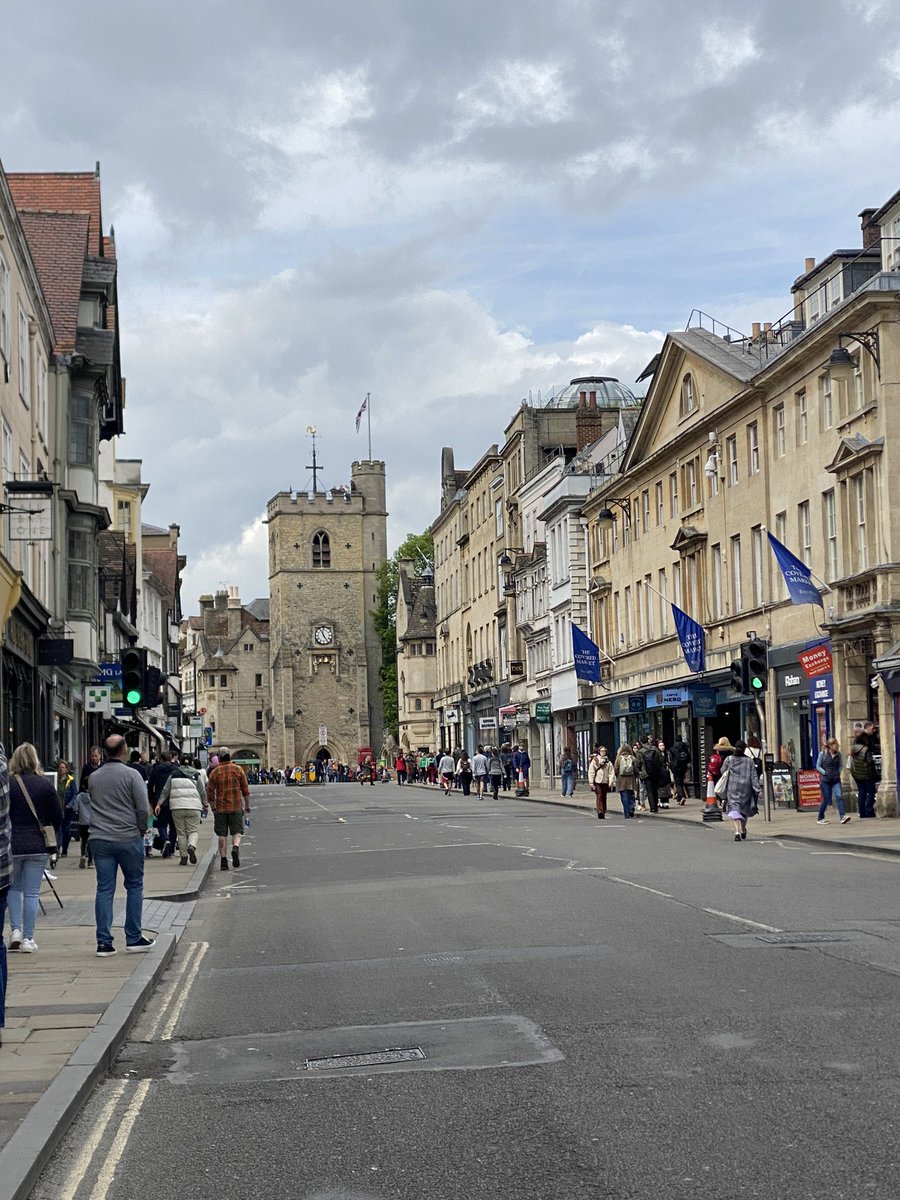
x=798, y=939
x=379, y=1058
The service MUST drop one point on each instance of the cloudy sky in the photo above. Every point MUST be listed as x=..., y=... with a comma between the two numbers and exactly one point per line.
x=450, y=206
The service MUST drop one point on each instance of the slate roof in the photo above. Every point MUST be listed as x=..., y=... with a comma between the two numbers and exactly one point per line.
x=58, y=242
x=62, y=192
x=731, y=357
x=418, y=595
x=259, y=608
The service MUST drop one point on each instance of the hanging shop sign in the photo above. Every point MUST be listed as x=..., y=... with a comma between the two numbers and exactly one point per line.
x=817, y=660
x=542, y=712
x=672, y=697
x=487, y=722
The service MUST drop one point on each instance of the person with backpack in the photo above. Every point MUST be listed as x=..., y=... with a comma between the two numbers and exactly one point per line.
x=624, y=771
x=601, y=778
x=651, y=769
x=862, y=768
x=679, y=761
x=567, y=772
x=829, y=765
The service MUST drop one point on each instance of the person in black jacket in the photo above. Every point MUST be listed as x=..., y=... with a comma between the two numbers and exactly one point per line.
x=679, y=761
x=89, y=767
x=162, y=769
x=29, y=788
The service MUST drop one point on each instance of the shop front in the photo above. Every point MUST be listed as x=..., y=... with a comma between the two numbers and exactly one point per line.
x=792, y=699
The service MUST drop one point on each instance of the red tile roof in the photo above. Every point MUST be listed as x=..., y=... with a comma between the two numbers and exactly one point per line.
x=58, y=242
x=61, y=192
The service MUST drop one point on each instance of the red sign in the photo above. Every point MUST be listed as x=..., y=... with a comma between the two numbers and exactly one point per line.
x=202, y=712
x=817, y=661
x=809, y=790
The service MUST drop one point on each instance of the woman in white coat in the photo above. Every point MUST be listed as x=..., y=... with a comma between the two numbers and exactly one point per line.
x=186, y=795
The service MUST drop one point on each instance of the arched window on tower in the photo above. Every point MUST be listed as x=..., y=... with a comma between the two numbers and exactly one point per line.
x=321, y=550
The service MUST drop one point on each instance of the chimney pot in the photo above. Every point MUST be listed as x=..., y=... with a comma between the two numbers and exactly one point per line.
x=755, y=329
x=809, y=264
x=582, y=399
x=593, y=400
x=871, y=232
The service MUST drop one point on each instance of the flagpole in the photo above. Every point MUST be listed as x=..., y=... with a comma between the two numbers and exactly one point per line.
x=369, y=421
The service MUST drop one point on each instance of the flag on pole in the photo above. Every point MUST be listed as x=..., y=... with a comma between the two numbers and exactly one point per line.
x=587, y=656
x=692, y=638
x=797, y=575
x=362, y=409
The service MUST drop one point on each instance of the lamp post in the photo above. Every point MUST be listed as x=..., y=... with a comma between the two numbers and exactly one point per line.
x=841, y=364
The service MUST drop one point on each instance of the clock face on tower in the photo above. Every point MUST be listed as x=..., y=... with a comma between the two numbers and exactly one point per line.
x=324, y=635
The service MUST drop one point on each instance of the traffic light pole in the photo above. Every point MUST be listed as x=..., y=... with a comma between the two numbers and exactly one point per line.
x=766, y=776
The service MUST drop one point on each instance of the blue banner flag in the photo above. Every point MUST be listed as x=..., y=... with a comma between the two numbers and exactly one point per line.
x=692, y=638
x=587, y=656
x=797, y=575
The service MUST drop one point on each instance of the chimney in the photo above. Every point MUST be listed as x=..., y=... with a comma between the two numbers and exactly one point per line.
x=221, y=601
x=871, y=231
x=809, y=263
x=593, y=401
x=582, y=399
x=755, y=329
x=233, y=617
x=206, y=604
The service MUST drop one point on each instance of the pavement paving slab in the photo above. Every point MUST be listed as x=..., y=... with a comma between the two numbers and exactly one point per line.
x=68, y=1012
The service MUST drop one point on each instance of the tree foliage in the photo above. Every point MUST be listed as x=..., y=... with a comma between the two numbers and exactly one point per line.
x=420, y=548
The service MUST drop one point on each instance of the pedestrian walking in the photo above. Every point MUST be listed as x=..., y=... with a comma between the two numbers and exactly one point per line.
x=738, y=788
x=65, y=794
x=506, y=758
x=400, y=768
x=81, y=815
x=156, y=781
x=862, y=768
x=34, y=815
x=625, y=772
x=119, y=811
x=521, y=763
x=367, y=771
x=229, y=798
x=480, y=771
x=721, y=750
x=186, y=797
x=829, y=764
x=94, y=761
x=446, y=770
x=495, y=771
x=464, y=773
x=679, y=761
x=652, y=770
x=566, y=765
x=601, y=779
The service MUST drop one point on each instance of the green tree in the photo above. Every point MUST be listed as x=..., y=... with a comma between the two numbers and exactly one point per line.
x=420, y=548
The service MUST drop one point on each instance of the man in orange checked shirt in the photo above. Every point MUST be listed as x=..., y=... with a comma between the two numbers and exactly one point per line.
x=228, y=793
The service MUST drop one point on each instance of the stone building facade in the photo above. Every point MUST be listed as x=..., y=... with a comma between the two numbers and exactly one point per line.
x=742, y=436
x=325, y=550
x=224, y=672
x=416, y=658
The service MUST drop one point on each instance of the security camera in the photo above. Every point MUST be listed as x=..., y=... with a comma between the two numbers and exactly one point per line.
x=712, y=438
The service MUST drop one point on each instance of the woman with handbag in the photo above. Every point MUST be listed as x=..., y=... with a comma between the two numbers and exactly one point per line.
x=738, y=788
x=34, y=814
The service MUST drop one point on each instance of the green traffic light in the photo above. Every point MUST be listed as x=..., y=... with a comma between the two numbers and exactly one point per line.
x=756, y=683
x=133, y=697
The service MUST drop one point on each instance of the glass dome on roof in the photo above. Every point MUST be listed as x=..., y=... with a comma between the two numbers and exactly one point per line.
x=610, y=393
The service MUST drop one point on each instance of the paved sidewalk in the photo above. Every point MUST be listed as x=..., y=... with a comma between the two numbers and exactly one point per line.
x=68, y=1012
x=880, y=836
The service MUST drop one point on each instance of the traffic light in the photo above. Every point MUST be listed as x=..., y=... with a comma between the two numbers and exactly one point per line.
x=133, y=660
x=155, y=680
x=756, y=656
x=738, y=681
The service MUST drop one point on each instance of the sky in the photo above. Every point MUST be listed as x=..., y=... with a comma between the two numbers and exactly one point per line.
x=450, y=207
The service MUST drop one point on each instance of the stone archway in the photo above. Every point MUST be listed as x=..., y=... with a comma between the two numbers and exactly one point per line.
x=335, y=749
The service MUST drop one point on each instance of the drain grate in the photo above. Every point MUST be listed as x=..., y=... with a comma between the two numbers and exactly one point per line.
x=798, y=939
x=378, y=1059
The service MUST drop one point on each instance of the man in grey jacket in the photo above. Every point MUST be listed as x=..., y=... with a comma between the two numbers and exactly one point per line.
x=119, y=811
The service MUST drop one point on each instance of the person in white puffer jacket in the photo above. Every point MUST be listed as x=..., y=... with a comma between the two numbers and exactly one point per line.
x=185, y=792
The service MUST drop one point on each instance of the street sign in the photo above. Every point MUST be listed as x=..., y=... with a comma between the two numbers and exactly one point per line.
x=323, y=735
x=202, y=712
x=97, y=698
x=487, y=722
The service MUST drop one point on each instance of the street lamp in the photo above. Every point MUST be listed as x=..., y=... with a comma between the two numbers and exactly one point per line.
x=606, y=518
x=841, y=364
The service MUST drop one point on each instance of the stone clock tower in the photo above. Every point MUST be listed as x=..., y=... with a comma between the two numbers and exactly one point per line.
x=325, y=548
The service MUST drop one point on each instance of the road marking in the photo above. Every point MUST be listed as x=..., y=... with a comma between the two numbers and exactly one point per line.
x=120, y=1140
x=89, y=1149
x=171, y=991
x=330, y=812
x=743, y=920
x=643, y=888
x=166, y=1032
